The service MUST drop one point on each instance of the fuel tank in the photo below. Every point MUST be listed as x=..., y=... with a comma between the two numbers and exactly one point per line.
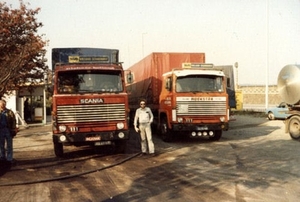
x=288, y=84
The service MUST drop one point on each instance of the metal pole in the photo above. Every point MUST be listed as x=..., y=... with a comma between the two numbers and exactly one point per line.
x=45, y=107
x=267, y=57
x=236, y=64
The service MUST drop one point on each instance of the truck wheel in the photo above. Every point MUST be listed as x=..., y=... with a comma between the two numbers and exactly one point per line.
x=271, y=116
x=58, y=149
x=217, y=136
x=294, y=127
x=120, y=146
x=166, y=135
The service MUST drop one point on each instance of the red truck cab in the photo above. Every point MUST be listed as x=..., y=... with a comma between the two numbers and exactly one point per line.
x=193, y=100
x=90, y=103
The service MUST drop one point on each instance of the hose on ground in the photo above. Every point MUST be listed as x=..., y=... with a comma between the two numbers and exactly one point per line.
x=71, y=176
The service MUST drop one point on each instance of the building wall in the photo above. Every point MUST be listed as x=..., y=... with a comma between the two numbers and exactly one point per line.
x=11, y=101
x=15, y=102
x=256, y=95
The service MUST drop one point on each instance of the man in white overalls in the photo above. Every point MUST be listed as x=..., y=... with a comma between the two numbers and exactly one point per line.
x=142, y=123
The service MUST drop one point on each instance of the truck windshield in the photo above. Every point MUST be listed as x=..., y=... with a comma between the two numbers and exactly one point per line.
x=88, y=82
x=199, y=83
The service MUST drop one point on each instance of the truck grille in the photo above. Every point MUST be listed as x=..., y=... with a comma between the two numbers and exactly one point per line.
x=90, y=113
x=201, y=108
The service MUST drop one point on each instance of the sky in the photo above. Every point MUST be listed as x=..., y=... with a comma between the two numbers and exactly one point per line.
x=261, y=36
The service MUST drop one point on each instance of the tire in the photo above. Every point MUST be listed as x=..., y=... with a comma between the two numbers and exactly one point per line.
x=58, y=149
x=217, y=136
x=166, y=134
x=120, y=146
x=294, y=127
x=271, y=116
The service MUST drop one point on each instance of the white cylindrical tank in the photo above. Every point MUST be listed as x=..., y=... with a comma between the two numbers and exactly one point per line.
x=288, y=84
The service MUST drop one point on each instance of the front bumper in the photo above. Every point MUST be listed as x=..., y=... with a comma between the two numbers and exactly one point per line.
x=91, y=137
x=200, y=127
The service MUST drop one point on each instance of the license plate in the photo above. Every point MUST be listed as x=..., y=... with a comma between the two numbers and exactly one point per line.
x=93, y=138
x=202, y=128
x=102, y=143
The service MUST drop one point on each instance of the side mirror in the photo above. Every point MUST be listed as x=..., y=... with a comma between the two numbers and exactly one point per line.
x=49, y=89
x=228, y=83
x=129, y=77
x=169, y=84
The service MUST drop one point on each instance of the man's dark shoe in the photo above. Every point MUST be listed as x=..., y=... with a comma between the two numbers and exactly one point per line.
x=2, y=161
x=12, y=162
x=143, y=154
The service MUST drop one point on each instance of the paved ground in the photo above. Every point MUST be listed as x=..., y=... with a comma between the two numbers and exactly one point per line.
x=254, y=161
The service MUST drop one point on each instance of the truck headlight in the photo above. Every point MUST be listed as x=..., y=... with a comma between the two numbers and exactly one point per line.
x=222, y=119
x=62, y=128
x=120, y=125
x=121, y=135
x=62, y=138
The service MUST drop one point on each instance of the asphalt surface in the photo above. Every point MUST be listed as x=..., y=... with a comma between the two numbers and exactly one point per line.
x=253, y=161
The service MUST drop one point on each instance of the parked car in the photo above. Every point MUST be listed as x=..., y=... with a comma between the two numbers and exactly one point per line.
x=278, y=112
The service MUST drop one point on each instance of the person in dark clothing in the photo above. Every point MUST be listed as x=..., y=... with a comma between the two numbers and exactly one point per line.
x=27, y=110
x=7, y=131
